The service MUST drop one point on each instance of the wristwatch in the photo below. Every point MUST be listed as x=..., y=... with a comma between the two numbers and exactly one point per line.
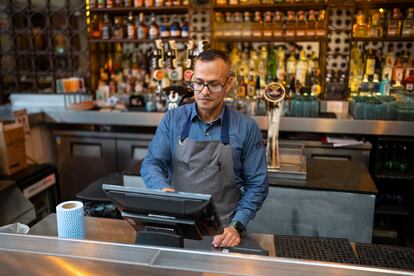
x=238, y=226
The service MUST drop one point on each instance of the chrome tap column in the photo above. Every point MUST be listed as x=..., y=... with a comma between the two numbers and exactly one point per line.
x=274, y=95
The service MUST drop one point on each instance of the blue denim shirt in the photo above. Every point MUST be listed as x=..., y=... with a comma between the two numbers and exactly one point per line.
x=249, y=154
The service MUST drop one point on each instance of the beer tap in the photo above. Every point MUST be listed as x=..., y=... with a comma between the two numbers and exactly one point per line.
x=174, y=72
x=274, y=95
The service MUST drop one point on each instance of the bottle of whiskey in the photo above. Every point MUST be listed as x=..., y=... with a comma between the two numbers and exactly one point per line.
x=278, y=24
x=106, y=26
x=311, y=30
x=408, y=24
x=142, y=28
x=154, y=30
x=360, y=28
x=301, y=24
x=394, y=25
x=131, y=29
x=290, y=30
x=267, y=25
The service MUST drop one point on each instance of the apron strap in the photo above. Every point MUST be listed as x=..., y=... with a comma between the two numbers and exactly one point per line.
x=225, y=128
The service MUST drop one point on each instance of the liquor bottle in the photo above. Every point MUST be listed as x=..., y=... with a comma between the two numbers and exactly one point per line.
x=280, y=64
x=251, y=87
x=408, y=24
x=131, y=29
x=176, y=2
x=106, y=25
x=375, y=29
x=278, y=24
x=154, y=30
x=185, y=27
x=237, y=24
x=233, y=2
x=96, y=27
x=260, y=105
x=409, y=82
x=316, y=87
x=101, y=4
x=394, y=25
x=218, y=24
x=360, y=28
x=165, y=27
x=168, y=3
x=247, y=25
x=127, y=3
x=271, y=65
x=142, y=29
x=262, y=65
x=370, y=63
x=221, y=2
x=385, y=86
x=301, y=24
x=175, y=30
x=109, y=4
x=409, y=66
x=243, y=69
x=311, y=29
x=320, y=24
x=93, y=4
x=398, y=73
x=244, y=2
x=117, y=29
x=138, y=3
x=158, y=3
x=388, y=67
x=228, y=26
x=241, y=88
x=267, y=24
x=291, y=67
x=290, y=30
x=149, y=3
x=258, y=25
x=301, y=68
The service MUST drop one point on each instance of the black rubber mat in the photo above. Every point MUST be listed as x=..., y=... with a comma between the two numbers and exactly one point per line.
x=385, y=256
x=314, y=248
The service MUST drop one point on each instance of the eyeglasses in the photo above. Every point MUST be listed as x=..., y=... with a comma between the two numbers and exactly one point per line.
x=213, y=87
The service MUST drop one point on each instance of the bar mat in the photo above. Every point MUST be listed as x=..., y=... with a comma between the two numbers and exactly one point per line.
x=385, y=256
x=315, y=248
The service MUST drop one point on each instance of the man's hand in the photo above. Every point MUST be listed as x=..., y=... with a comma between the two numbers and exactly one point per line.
x=171, y=190
x=229, y=238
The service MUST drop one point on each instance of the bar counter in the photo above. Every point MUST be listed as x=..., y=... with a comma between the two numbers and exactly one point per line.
x=108, y=250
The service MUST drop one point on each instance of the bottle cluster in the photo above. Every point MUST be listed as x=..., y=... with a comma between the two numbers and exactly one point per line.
x=374, y=72
x=384, y=23
x=135, y=27
x=297, y=70
x=270, y=24
x=108, y=4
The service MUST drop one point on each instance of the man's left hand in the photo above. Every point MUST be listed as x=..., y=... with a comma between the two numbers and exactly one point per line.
x=229, y=238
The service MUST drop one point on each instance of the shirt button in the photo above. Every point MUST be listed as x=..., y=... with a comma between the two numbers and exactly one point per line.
x=207, y=134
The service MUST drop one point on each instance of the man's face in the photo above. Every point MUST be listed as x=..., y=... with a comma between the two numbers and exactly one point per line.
x=213, y=73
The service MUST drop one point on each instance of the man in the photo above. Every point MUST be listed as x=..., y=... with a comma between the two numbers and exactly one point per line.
x=207, y=147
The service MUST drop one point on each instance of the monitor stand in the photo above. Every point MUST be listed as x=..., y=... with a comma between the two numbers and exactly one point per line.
x=159, y=236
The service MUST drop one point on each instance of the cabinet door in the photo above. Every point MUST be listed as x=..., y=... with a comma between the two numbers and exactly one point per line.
x=82, y=160
x=131, y=153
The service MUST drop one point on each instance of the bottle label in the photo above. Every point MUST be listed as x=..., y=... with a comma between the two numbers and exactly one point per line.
x=370, y=69
x=153, y=32
x=131, y=32
x=141, y=33
x=185, y=32
x=188, y=74
x=105, y=32
x=409, y=86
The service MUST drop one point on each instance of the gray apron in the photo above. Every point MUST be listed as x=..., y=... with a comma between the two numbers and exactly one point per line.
x=206, y=167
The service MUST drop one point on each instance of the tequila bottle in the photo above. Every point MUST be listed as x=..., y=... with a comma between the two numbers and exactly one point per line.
x=360, y=28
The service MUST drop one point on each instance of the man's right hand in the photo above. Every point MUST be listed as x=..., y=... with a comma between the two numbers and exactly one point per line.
x=170, y=190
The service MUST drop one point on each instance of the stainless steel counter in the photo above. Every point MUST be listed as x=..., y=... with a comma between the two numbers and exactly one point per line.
x=106, y=251
x=292, y=124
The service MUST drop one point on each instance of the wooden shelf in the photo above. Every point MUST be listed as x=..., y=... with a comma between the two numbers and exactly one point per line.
x=270, y=39
x=383, y=4
x=271, y=7
x=384, y=39
x=172, y=9
x=94, y=40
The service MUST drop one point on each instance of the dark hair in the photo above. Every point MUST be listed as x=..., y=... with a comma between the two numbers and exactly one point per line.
x=213, y=54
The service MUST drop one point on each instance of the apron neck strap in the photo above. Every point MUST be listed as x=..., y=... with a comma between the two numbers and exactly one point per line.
x=225, y=128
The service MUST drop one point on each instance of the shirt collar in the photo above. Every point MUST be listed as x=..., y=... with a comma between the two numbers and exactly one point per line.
x=194, y=114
